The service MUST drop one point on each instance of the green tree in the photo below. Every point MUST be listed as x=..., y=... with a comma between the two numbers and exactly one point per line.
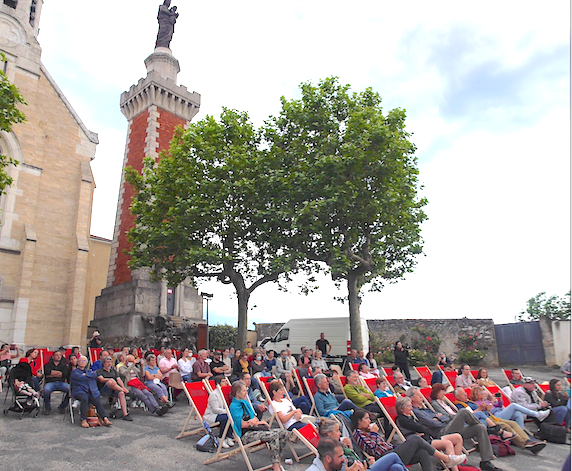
x=222, y=336
x=553, y=307
x=10, y=98
x=199, y=213
x=348, y=187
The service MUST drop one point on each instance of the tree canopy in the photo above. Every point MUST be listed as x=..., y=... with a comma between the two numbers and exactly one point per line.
x=199, y=212
x=553, y=307
x=10, y=98
x=345, y=185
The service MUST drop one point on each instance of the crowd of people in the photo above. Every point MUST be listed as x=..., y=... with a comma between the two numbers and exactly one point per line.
x=349, y=417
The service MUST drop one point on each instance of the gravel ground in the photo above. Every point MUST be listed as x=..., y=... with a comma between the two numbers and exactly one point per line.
x=148, y=443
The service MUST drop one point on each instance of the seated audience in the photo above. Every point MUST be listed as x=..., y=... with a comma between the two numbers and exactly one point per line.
x=270, y=361
x=465, y=378
x=153, y=377
x=364, y=371
x=201, y=369
x=6, y=357
x=284, y=409
x=401, y=384
x=111, y=385
x=55, y=377
x=186, y=363
x=216, y=412
x=258, y=366
x=372, y=363
x=382, y=388
x=464, y=422
x=483, y=378
x=84, y=389
x=413, y=450
x=326, y=402
x=248, y=427
x=331, y=458
x=451, y=444
x=319, y=362
x=360, y=395
x=99, y=362
x=132, y=378
x=516, y=378
x=559, y=402
x=285, y=370
x=254, y=394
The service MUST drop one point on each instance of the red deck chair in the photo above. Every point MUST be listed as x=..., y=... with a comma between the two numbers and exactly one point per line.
x=355, y=366
x=387, y=371
x=177, y=354
x=508, y=377
x=241, y=447
x=424, y=372
x=451, y=378
x=308, y=435
x=310, y=385
x=94, y=354
x=387, y=405
x=391, y=381
x=198, y=399
x=474, y=374
x=210, y=384
x=298, y=380
x=266, y=379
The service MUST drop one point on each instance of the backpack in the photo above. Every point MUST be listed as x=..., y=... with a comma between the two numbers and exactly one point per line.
x=500, y=447
x=206, y=444
x=554, y=433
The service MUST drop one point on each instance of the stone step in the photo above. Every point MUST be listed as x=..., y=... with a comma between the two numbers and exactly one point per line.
x=177, y=321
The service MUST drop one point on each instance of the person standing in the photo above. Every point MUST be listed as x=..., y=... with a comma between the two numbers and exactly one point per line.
x=401, y=359
x=95, y=341
x=323, y=345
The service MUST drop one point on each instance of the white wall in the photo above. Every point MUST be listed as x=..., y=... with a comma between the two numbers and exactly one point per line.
x=561, y=334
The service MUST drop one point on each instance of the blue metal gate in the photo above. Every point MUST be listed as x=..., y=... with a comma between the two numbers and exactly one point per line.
x=520, y=344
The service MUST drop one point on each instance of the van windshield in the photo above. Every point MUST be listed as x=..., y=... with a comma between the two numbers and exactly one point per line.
x=282, y=335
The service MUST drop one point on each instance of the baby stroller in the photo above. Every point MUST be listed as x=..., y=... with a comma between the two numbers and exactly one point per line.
x=22, y=402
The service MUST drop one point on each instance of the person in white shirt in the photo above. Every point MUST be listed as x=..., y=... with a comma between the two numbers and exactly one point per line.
x=186, y=364
x=287, y=414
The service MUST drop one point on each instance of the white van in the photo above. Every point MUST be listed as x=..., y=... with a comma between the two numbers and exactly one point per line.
x=298, y=333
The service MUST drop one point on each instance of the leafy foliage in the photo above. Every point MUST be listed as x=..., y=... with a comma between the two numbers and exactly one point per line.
x=553, y=307
x=426, y=340
x=10, y=98
x=472, y=348
x=222, y=336
x=200, y=211
x=345, y=181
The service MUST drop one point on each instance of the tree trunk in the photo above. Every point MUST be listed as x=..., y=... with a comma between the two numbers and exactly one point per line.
x=354, y=303
x=243, y=297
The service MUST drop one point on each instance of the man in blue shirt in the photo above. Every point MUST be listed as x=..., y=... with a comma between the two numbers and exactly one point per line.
x=326, y=402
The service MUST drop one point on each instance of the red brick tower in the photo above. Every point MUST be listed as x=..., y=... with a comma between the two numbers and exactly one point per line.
x=153, y=107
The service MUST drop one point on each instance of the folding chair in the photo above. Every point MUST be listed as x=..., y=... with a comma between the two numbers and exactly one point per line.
x=451, y=377
x=427, y=397
x=94, y=354
x=387, y=371
x=264, y=388
x=241, y=448
x=198, y=399
x=508, y=376
x=174, y=381
x=424, y=372
x=298, y=381
x=474, y=374
x=310, y=385
x=355, y=366
x=308, y=435
x=371, y=383
x=496, y=389
x=210, y=385
x=387, y=405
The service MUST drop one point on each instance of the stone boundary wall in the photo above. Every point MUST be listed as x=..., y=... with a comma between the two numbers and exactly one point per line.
x=391, y=330
x=555, y=340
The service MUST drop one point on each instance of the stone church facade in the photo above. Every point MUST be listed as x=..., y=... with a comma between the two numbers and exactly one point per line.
x=45, y=214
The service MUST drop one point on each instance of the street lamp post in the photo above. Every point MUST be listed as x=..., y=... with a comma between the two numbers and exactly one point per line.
x=208, y=297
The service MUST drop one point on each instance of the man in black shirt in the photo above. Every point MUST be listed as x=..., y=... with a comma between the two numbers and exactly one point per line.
x=218, y=367
x=56, y=372
x=111, y=385
x=323, y=344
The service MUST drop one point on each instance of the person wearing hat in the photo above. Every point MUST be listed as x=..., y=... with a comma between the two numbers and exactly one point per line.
x=95, y=341
x=526, y=396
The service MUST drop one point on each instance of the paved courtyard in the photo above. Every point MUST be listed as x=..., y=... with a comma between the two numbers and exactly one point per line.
x=148, y=443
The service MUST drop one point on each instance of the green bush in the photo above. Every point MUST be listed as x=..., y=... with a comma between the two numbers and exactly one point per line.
x=222, y=336
x=473, y=357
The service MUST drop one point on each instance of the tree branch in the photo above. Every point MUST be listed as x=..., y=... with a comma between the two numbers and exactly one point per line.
x=261, y=281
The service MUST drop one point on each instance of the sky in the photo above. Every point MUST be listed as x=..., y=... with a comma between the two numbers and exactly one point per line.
x=486, y=87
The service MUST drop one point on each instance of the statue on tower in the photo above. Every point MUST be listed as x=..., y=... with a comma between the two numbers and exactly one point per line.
x=167, y=18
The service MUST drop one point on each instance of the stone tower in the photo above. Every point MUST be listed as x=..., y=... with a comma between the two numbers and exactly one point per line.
x=153, y=108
